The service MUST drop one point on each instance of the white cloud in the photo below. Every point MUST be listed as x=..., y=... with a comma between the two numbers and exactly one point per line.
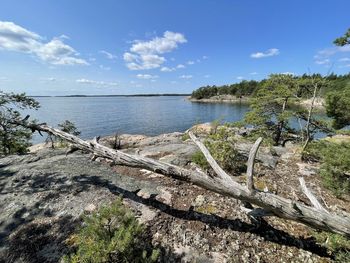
x=104, y=67
x=146, y=54
x=96, y=83
x=323, y=56
x=205, y=57
x=50, y=79
x=344, y=59
x=146, y=76
x=108, y=55
x=322, y=61
x=185, y=76
x=166, y=69
x=19, y=39
x=180, y=66
x=288, y=73
x=268, y=53
x=207, y=76
x=190, y=62
x=240, y=77
x=254, y=73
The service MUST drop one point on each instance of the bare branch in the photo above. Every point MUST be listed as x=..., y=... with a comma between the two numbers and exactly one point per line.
x=250, y=165
x=218, y=170
x=310, y=195
x=277, y=205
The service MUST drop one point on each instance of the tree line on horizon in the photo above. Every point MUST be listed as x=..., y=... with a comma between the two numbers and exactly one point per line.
x=247, y=88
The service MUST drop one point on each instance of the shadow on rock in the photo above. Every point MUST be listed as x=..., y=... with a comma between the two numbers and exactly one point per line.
x=260, y=228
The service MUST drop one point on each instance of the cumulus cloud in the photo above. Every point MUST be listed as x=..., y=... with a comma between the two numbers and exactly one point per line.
x=146, y=76
x=190, y=62
x=95, y=83
x=180, y=66
x=108, y=55
x=288, y=73
x=253, y=73
x=344, y=59
x=16, y=38
x=240, y=78
x=185, y=76
x=147, y=54
x=166, y=69
x=323, y=57
x=325, y=61
x=268, y=53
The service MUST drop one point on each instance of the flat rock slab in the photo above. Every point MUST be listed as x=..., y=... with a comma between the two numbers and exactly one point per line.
x=44, y=194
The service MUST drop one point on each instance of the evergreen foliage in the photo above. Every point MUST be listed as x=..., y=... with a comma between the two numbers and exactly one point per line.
x=14, y=139
x=343, y=40
x=112, y=234
x=270, y=109
x=335, y=164
x=249, y=88
x=66, y=126
x=221, y=146
x=338, y=107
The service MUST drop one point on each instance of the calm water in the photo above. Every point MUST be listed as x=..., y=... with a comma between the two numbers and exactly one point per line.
x=96, y=116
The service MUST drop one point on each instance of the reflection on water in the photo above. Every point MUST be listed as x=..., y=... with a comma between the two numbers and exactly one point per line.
x=136, y=115
x=103, y=116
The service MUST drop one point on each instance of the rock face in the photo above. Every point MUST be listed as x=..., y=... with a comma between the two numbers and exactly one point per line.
x=43, y=195
x=46, y=189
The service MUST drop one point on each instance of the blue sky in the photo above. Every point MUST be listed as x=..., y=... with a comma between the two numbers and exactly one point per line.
x=162, y=46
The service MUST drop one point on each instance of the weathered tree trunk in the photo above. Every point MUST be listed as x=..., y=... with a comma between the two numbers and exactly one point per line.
x=222, y=183
x=280, y=125
x=307, y=127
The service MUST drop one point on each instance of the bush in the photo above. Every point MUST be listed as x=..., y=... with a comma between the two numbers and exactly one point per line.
x=112, y=234
x=221, y=145
x=335, y=164
x=198, y=158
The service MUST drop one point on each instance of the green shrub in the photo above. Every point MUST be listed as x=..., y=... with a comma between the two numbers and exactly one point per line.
x=335, y=164
x=221, y=146
x=338, y=245
x=112, y=234
x=198, y=158
x=185, y=137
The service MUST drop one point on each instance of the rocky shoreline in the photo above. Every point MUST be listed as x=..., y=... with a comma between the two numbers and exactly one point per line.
x=43, y=194
x=319, y=103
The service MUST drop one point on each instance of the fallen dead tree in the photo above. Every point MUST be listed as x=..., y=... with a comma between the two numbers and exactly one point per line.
x=267, y=203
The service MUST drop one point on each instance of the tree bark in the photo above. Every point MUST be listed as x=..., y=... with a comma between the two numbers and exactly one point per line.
x=307, y=127
x=222, y=183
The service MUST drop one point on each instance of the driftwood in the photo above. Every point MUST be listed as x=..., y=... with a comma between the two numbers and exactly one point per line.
x=268, y=204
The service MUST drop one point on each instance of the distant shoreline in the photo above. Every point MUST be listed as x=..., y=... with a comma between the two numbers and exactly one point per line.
x=130, y=95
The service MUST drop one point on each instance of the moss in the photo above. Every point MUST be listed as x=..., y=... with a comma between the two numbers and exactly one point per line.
x=207, y=209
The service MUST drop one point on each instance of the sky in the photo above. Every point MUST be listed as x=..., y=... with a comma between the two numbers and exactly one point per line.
x=160, y=46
